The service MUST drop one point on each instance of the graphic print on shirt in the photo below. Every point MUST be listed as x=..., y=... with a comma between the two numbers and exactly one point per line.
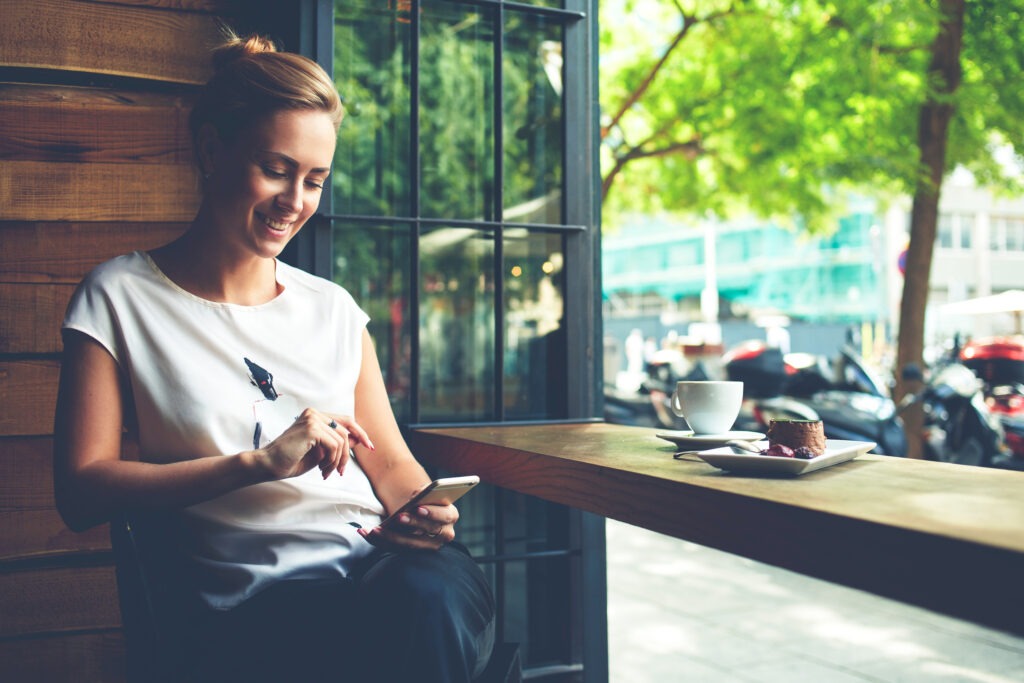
x=273, y=413
x=263, y=379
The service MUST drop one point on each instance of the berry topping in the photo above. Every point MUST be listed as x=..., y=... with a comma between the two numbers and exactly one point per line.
x=778, y=451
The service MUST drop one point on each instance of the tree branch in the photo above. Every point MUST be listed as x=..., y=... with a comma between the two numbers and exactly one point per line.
x=689, y=21
x=691, y=149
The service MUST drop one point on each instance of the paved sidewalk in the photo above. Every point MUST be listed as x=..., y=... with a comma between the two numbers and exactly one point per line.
x=682, y=612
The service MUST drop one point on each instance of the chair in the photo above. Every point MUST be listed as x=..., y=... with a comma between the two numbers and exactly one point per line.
x=148, y=616
x=150, y=651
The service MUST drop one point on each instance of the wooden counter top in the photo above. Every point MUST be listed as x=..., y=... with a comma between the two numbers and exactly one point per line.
x=945, y=537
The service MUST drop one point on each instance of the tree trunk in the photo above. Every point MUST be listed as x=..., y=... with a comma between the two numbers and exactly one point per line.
x=933, y=126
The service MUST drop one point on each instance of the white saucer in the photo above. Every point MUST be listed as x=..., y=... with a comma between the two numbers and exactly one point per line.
x=687, y=439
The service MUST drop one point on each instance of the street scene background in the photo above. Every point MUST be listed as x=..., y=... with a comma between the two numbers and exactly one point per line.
x=823, y=200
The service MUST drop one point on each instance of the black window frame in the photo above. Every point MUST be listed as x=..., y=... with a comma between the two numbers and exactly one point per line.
x=312, y=251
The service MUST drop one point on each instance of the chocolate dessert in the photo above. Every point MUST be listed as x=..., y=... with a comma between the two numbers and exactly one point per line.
x=798, y=435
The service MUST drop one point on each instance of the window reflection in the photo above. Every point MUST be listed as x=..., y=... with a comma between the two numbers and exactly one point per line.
x=372, y=65
x=456, y=325
x=532, y=136
x=457, y=118
x=373, y=263
x=535, y=340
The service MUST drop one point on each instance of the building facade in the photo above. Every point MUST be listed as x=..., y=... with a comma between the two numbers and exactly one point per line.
x=847, y=283
x=979, y=251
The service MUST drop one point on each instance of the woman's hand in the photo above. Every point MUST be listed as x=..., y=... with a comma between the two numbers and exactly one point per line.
x=315, y=439
x=428, y=527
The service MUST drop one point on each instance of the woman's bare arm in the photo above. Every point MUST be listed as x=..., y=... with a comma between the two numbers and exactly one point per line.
x=92, y=482
x=394, y=472
x=391, y=467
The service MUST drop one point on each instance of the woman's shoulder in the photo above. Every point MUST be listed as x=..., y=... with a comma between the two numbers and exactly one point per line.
x=107, y=287
x=312, y=293
x=117, y=272
x=310, y=284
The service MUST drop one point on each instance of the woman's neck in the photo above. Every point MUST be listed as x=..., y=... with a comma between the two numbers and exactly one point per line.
x=201, y=265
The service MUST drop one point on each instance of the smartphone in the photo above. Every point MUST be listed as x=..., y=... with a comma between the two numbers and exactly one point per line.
x=438, y=492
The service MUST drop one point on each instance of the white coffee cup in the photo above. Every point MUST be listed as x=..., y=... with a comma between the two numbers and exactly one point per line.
x=708, y=407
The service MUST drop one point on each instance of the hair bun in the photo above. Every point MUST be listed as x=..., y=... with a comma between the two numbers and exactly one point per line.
x=235, y=48
x=252, y=79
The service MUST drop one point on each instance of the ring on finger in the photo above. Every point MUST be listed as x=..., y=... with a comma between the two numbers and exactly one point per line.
x=434, y=535
x=333, y=424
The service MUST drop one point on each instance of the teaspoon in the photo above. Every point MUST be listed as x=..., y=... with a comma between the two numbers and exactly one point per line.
x=742, y=446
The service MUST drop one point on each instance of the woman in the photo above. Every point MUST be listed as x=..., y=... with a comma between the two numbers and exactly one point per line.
x=265, y=433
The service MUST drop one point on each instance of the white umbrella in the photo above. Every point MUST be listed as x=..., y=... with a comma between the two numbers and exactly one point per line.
x=1010, y=301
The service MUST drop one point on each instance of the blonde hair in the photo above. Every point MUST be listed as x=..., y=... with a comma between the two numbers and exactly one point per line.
x=253, y=80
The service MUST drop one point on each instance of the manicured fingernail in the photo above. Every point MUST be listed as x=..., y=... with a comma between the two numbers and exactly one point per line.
x=404, y=518
x=422, y=511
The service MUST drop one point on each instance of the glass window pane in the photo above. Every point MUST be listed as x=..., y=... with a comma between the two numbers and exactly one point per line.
x=945, y=231
x=373, y=263
x=553, y=4
x=372, y=65
x=689, y=253
x=530, y=524
x=533, y=126
x=456, y=325
x=997, y=234
x=537, y=611
x=966, y=230
x=457, y=111
x=1014, y=234
x=533, y=593
x=477, y=519
x=535, y=340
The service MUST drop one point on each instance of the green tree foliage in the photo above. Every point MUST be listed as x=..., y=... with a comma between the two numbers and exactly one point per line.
x=987, y=129
x=776, y=107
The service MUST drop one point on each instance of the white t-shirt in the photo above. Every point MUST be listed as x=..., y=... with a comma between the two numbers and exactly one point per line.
x=194, y=396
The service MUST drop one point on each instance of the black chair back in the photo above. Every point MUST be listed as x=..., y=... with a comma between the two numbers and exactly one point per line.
x=145, y=608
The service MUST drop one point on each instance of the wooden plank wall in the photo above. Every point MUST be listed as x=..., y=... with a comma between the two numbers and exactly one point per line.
x=95, y=161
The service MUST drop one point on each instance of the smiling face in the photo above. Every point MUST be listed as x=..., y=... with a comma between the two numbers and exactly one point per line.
x=266, y=183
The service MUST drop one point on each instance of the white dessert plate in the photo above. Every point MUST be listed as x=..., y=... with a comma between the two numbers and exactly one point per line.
x=687, y=439
x=836, y=451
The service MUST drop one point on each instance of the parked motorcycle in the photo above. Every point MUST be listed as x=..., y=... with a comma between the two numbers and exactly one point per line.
x=650, y=405
x=999, y=363
x=646, y=407
x=1006, y=401
x=852, y=403
x=959, y=427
